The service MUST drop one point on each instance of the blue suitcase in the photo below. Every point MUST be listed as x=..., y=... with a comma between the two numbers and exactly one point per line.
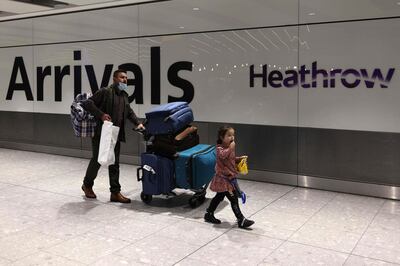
x=195, y=167
x=168, y=118
x=157, y=175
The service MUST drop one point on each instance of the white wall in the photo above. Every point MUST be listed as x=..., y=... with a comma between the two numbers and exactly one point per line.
x=264, y=33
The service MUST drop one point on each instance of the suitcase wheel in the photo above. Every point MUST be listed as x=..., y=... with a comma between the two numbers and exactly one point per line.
x=146, y=198
x=197, y=200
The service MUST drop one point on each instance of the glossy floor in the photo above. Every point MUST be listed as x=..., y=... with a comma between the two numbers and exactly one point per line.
x=45, y=220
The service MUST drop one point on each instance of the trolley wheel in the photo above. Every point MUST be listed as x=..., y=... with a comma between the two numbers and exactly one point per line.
x=146, y=198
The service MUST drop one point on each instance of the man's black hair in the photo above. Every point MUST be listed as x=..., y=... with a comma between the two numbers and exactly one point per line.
x=116, y=72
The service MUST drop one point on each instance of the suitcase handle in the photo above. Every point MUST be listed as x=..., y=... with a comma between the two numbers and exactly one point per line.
x=178, y=113
x=138, y=174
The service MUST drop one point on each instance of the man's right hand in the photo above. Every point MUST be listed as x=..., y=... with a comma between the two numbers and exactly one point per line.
x=106, y=117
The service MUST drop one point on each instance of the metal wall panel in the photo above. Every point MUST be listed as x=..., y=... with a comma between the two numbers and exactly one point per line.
x=17, y=126
x=54, y=130
x=359, y=156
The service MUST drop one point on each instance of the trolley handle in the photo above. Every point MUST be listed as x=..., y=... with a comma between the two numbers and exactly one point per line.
x=138, y=174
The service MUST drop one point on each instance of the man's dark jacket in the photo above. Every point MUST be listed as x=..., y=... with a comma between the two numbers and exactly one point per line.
x=114, y=102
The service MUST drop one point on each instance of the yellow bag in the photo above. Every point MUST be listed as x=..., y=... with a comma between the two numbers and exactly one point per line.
x=242, y=166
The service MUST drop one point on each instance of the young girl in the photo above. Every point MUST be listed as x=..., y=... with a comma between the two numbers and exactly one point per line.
x=225, y=169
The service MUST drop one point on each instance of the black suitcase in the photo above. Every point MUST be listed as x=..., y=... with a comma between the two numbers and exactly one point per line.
x=169, y=145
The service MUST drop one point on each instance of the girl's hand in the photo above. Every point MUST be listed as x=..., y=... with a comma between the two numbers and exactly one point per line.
x=232, y=145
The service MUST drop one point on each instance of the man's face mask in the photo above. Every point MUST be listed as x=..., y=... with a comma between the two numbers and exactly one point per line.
x=122, y=86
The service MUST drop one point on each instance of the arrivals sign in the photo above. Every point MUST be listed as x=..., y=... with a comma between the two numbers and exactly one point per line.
x=304, y=77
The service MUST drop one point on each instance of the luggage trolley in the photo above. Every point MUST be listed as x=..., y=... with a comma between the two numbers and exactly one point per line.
x=191, y=169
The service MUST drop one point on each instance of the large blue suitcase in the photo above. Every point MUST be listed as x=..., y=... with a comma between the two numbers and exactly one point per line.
x=158, y=174
x=195, y=167
x=168, y=118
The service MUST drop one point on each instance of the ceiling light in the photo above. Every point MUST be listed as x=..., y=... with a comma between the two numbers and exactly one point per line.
x=3, y=14
x=181, y=27
x=61, y=6
x=47, y=3
x=311, y=14
x=196, y=9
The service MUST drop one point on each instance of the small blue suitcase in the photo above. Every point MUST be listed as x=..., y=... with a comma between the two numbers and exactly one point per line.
x=158, y=174
x=168, y=118
x=195, y=167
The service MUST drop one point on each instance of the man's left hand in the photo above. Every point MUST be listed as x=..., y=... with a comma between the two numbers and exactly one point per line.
x=140, y=127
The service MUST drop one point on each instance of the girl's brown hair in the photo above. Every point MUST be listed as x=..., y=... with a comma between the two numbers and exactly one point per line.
x=221, y=133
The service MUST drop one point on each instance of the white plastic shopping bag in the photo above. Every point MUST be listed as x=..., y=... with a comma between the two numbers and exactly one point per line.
x=108, y=139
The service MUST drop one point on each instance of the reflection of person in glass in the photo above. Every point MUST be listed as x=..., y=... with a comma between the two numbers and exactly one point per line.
x=225, y=171
x=109, y=104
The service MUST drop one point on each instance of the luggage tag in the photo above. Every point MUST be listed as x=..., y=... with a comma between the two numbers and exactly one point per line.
x=149, y=169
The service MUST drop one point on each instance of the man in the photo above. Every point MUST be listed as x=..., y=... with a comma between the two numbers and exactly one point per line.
x=109, y=104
